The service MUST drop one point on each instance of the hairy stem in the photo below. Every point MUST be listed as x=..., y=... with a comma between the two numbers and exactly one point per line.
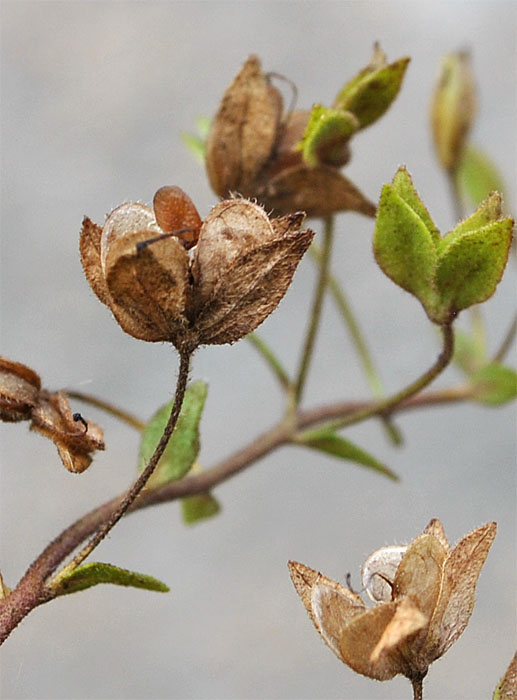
x=418, y=688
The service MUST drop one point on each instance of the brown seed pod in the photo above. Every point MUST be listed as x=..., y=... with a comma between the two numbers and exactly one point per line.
x=176, y=213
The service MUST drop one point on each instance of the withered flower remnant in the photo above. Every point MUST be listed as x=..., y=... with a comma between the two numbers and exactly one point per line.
x=290, y=161
x=428, y=605
x=236, y=274
x=22, y=398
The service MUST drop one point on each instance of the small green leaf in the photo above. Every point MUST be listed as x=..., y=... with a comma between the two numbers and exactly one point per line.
x=470, y=268
x=403, y=185
x=331, y=443
x=92, y=574
x=199, y=507
x=404, y=245
x=477, y=176
x=183, y=446
x=494, y=384
x=369, y=95
x=488, y=212
x=326, y=135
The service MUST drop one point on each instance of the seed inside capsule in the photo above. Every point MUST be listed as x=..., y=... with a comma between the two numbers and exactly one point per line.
x=176, y=213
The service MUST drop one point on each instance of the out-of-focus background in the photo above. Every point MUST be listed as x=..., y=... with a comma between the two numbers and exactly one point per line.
x=94, y=99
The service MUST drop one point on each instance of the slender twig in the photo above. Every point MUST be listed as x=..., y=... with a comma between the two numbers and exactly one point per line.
x=124, y=416
x=308, y=346
x=385, y=406
x=271, y=359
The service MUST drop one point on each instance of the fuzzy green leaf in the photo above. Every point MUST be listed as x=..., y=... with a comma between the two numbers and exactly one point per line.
x=477, y=176
x=404, y=246
x=333, y=444
x=183, y=446
x=326, y=134
x=403, y=185
x=369, y=95
x=92, y=574
x=494, y=384
x=471, y=266
x=199, y=507
x=488, y=212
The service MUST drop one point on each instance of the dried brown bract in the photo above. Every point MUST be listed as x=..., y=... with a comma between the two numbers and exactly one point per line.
x=234, y=277
x=431, y=599
x=19, y=390
x=22, y=398
x=252, y=148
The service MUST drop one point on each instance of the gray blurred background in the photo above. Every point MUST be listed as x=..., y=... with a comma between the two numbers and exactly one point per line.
x=94, y=98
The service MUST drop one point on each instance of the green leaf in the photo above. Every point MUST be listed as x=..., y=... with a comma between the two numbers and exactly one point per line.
x=470, y=268
x=183, y=446
x=487, y=213
x=199, y=507
x=92, y=574
x=326, y=135
x=369, y=95
x=403, y=185
x=331, y=443
x=404, y=246
x=477, y=176
x=494, y=384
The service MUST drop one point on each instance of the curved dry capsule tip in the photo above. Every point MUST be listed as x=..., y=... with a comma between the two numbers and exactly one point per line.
x=176, y=214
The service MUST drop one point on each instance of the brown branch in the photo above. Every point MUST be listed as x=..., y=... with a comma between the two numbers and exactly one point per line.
x=31, y=591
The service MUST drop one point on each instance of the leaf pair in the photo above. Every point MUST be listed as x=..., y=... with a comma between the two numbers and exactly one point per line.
x=446, y=274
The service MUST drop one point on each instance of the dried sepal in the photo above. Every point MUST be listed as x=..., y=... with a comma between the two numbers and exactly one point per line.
x=253, y=288
x=90, y=247
x=507, y=686
x=432, y=596
x=75, y=438
x=244, y=130
x=234, y=277
x=19, y=390
x=22, y=398
x=150, y=285
x=316, y=191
